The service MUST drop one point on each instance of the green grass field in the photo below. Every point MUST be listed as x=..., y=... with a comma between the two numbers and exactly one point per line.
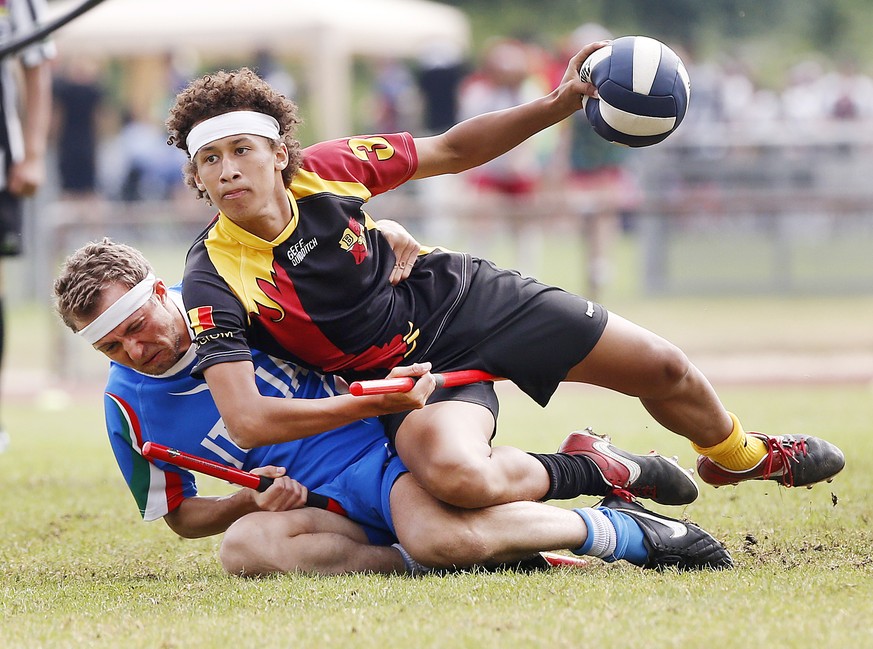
x=79, y=569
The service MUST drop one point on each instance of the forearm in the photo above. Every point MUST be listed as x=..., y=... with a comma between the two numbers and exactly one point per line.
x=270, y=420
x=482, y=138
x=204, y=516
x=37, y=116
x=255, y=420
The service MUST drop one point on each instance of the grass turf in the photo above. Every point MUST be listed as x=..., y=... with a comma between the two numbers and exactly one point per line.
x=78, y=568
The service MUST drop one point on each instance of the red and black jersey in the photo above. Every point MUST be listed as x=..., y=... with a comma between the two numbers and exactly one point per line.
x=319, y=293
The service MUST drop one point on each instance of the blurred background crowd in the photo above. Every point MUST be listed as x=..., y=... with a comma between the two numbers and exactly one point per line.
x=765, y=179
x=741, y=137
x=114, y=145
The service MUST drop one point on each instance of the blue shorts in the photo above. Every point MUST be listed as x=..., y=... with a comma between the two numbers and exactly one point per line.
x=364, y=491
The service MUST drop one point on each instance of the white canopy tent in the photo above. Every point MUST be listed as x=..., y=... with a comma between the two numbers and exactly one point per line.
x=324, y=34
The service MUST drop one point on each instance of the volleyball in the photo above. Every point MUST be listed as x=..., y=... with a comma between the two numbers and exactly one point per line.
x=643, y=87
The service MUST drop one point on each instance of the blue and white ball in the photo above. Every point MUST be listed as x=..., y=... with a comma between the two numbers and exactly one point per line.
x=644, y=90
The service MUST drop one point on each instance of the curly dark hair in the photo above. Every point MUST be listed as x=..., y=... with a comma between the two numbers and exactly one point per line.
x=223, y=92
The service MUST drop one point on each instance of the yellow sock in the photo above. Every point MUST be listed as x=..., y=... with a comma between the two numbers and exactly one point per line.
x=738, y=452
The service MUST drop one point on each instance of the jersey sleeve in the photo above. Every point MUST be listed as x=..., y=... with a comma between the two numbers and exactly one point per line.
x=216, y=316
x=157, y=491
x=27, y=16
x=379, y=163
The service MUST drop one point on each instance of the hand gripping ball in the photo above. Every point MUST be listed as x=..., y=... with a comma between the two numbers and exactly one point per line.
x=644, y=90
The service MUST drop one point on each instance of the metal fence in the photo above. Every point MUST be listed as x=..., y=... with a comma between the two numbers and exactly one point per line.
x=745, y=209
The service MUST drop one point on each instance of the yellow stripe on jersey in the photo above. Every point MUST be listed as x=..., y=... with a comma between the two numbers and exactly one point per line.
x=247, y=267
x=307, y=183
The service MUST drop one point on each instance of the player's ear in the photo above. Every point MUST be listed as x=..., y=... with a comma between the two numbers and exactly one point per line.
x=281, y=154
x=199, y=183
x=160, y=289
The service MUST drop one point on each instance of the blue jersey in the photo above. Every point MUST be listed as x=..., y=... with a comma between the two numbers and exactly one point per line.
x=351, y=464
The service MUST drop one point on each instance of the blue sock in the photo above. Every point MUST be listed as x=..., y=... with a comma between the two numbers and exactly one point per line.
x=629, y=537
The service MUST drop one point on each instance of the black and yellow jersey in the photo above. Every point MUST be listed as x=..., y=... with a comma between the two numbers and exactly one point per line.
x=318, y=294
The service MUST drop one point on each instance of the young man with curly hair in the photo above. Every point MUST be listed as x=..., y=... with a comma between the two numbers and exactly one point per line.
x=292, y=265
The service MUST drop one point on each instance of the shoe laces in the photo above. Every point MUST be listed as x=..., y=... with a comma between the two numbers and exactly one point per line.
x=604, y=437
x=624, y=494
x=787, y=449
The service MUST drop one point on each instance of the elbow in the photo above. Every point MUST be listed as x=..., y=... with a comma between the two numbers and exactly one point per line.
x=175, y=522
x=244, y=431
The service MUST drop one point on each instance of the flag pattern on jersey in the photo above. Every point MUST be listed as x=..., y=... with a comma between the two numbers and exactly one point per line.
x=201, y=319
x=156, y=492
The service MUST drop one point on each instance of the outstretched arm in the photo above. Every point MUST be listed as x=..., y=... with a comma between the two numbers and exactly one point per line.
x=255, y=420
x=482, y=138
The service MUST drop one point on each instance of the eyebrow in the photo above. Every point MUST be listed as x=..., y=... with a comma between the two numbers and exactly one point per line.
x=98, y=346
x=211, y=146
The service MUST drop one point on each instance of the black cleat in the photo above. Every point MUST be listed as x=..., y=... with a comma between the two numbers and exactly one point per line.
x=672, y=543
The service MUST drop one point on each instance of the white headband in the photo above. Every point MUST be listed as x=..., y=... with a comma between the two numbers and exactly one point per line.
x=234, y=123
x=118, y=311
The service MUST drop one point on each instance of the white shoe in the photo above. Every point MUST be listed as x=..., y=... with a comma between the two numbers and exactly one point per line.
x=4, y=440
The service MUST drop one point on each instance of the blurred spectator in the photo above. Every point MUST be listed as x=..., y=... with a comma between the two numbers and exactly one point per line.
x=804, y=97
x=78, y=95
x=395, y=102
x=508, y=186
x=851, y=96
x=26, y=82
x=598, y=186
x=138, y=164
x=503, y=80
x=441, y=68
x=737, y=91
x=269, y=69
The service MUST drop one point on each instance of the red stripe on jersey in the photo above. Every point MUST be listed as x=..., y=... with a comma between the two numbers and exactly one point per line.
x=173, y=490
x=130, y=416
x=379, y=162
x=204, y=318
x=306, y=341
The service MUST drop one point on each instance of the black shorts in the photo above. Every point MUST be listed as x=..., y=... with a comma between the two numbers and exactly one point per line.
x=515, y=327
x=11, y=219
x=479, y=393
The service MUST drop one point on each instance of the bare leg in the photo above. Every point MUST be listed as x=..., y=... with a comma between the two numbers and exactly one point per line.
x=306, y=540
x=635, y=361
x=440, y=535
x=446, y=446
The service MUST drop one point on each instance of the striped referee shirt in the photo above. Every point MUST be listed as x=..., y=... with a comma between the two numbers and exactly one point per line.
x=17, y=18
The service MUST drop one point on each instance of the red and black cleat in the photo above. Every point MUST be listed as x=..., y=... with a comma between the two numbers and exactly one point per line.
x=651, y=476
x=791, y=460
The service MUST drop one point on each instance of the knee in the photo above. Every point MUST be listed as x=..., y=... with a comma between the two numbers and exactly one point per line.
x=238, y=552
x=459, y=481
x=261, y=543
x=671, y=368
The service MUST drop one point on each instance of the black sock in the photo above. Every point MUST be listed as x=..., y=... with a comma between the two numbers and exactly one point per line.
x=571, y=476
